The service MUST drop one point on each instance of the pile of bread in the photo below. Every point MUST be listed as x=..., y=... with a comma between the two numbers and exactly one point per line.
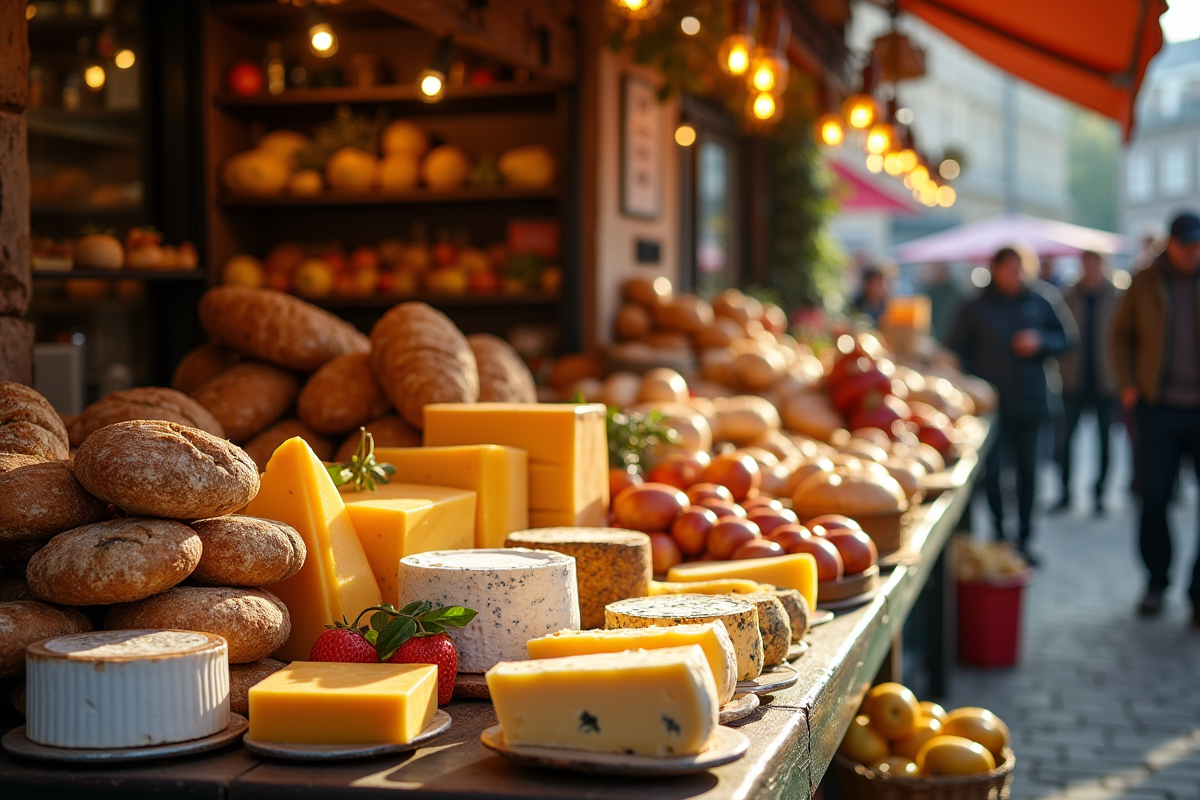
x=279, y=367
x=139, y=530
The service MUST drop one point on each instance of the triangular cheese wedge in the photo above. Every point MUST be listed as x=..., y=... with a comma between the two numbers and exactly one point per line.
x=336, y=579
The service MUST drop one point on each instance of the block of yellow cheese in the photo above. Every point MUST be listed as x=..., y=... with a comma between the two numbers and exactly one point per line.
x=648, y=702
x=336, y=579
x=567, y=446
x=401, y=519
x=794, y=571
x=499, y=476
x=335, y=703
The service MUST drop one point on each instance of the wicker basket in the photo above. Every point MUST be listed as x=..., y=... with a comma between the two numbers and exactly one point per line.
x=857, y=782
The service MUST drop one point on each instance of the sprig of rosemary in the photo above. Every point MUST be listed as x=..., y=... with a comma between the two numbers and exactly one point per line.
x=363, y=470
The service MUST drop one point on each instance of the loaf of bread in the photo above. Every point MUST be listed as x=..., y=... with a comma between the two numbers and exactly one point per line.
x=244, y=676
x=263, y=444
x=277, y=327
x=247, y=551
x=144, y=402
x=254, y=622
x=389, y=431
x=23, y=622
x=11, y=461
x=341, y=396
x=43, y=500
x=118, y=561
x=248, y=397
x=206, y=361
x=29, y=425
x=164, y=469
x=419, y=357
x=503, y=375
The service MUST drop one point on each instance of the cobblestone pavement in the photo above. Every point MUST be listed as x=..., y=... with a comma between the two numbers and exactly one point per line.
x=1103, y=704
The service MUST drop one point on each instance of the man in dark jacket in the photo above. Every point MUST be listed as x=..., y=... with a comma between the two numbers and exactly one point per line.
x=1156, y=358
x=1006, y=336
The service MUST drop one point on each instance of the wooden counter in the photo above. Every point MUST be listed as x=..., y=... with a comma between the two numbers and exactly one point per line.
x=792, y=739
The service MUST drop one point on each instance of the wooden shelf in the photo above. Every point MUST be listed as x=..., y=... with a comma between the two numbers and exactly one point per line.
x=396, y=93
x=122, y=274
x=441, y=300
x=465, y=194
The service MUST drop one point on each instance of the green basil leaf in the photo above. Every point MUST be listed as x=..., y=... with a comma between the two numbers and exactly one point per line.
x=413, y=607
x=453, y=616
x=430, y=629
x=394, y=634
x=380, y=619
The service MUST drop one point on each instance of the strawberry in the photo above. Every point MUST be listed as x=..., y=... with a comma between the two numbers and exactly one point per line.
x=345, y=645
x=436, y=649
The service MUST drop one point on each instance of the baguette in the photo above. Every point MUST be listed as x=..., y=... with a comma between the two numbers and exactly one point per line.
x=29, y=425
x=145, y=402
x=248, y=397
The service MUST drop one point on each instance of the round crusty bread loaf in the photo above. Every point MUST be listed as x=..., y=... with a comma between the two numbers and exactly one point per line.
x=29, y=425
x=263, y=444
x=389, y=431
x=277, y=327
x=206, y=361
x=43, y=500
x=243, y=676
x=164, y=469
x=143, y=402
x=23, y=622
x=341, y=395
x=118, y=561
x=503, y=374
x=248, y=397
x=254, y=622
x=247, y=551
x=11, y=461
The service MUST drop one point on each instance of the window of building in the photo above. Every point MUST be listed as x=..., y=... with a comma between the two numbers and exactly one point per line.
x=1175, y=168
x=711, y=172
x=1138, y=181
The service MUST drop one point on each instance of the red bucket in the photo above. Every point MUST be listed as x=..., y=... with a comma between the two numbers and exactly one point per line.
x=989, y=620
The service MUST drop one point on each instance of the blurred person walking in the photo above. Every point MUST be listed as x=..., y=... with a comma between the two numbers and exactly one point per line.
x=1006, y=336
x=872, y=298
x=1087, y=376
x=1156, y=359
x=945, y=297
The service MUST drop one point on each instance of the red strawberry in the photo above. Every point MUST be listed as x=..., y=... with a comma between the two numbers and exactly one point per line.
x=436, y=649
x=344, y=645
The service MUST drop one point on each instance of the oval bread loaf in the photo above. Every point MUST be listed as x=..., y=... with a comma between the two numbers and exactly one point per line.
x=11, y=461
x=244, y=676
x=23, y=622
x=118, y=561
x=389, y=431
x=503, y=375
x=263, y=444
x=797, y=610
x=29, y=425
x=248, y=397
x=254, y=622
x=206, y=361
x=247, y=551
x=163, y=469
x=143, y=402
x=277, y=327
x=43, y=500
x=341, y=395
x=773, y=625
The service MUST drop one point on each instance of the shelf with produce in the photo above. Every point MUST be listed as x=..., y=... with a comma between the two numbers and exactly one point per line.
x=391, y=93
x=440, y=300
x=465, y=194
x=121, y=274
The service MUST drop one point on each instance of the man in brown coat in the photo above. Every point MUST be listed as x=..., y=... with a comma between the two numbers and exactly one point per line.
x=1156, y=359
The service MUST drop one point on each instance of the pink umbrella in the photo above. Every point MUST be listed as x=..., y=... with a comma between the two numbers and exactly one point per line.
x=979, y=240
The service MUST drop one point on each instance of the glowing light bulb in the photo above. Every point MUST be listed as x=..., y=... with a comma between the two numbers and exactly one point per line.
x=875, y=162
x=124, y=59
x=685, y=135
x=928, y=194
x=767, y=72
x=638, y=9
x=829, y=130
x=946, y=196
x=860, y=111
x=919, y=177
x=431, y=86
x=949, y=169
x=689, y=25
x=764, y=106
x=893, y=164
x=908, y=160
x=734, y=55
x=879, y=138
x=94, y=76
x=322, y=40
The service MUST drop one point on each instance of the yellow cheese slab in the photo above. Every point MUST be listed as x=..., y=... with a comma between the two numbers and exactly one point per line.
x=336, y=579
x=795, y=571
x=499, y=476
x=402, y=519
x=331, y=703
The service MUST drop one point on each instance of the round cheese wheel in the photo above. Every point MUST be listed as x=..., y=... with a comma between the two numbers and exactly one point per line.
x=520, y=595
x=740, y=618
x=773, y=625
x=797, y=610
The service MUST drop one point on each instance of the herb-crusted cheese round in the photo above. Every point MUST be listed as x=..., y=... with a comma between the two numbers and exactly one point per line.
x=773, y=625
x=797, y=610
x=740, y=618
x=520, y=595
x=610, y=564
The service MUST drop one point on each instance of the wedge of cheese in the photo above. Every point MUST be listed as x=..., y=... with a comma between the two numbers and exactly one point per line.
x=649, y=702
x=401, y=519
x=334, y=703
x=499, y=476
x=336, y=579
x=795, y=571
x=711, y=636
x=567, y=446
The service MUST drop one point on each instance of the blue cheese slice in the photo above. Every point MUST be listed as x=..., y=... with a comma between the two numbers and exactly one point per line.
x=774, y=625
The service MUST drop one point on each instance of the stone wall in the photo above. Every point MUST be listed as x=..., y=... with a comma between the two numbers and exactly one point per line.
x=16, y=335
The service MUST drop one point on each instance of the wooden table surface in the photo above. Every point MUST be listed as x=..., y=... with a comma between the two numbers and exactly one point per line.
x=792, y=739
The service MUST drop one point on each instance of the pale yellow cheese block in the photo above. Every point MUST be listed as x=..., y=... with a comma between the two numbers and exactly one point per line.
x=794, y=571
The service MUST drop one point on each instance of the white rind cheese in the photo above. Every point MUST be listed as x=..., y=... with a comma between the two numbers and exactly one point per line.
x=118, y=689
x=774, y=626
x=520, y=595
x=740, y=618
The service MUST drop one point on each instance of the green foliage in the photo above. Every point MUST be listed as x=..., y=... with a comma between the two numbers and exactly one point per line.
x=632, y=436
x=1094, y=142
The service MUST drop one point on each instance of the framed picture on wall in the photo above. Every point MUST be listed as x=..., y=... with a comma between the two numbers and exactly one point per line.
x=641, y=149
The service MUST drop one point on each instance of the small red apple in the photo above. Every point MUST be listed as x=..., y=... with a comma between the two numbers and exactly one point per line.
x=830, y=566
x=768, y=520
x=244, y=79
x=757, y=548
x=729, y=534
x=857, y=549
x=690, y=529
x=831, y=522
x=621, y=479
x=786, y=536
x=664, y=553
x=701, y=491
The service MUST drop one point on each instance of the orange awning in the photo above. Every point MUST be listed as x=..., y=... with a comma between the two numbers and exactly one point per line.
x=1092, y=52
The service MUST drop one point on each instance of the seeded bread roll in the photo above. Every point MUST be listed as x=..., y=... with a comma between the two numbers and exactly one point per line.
x=263, y=444
x=341, y=396
x=247, y=551
x=254, y=622
x=389, y=431
x=248, y=397
x=277, y=327
x=11, y=461
x=244, y=676
x=43, y=500
x=145, y=402
x=29, y=425
x=118, y=561
x=23, y=622
x=419, y=357
x=163, y=469
x=503, y=374
x=205, y=362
